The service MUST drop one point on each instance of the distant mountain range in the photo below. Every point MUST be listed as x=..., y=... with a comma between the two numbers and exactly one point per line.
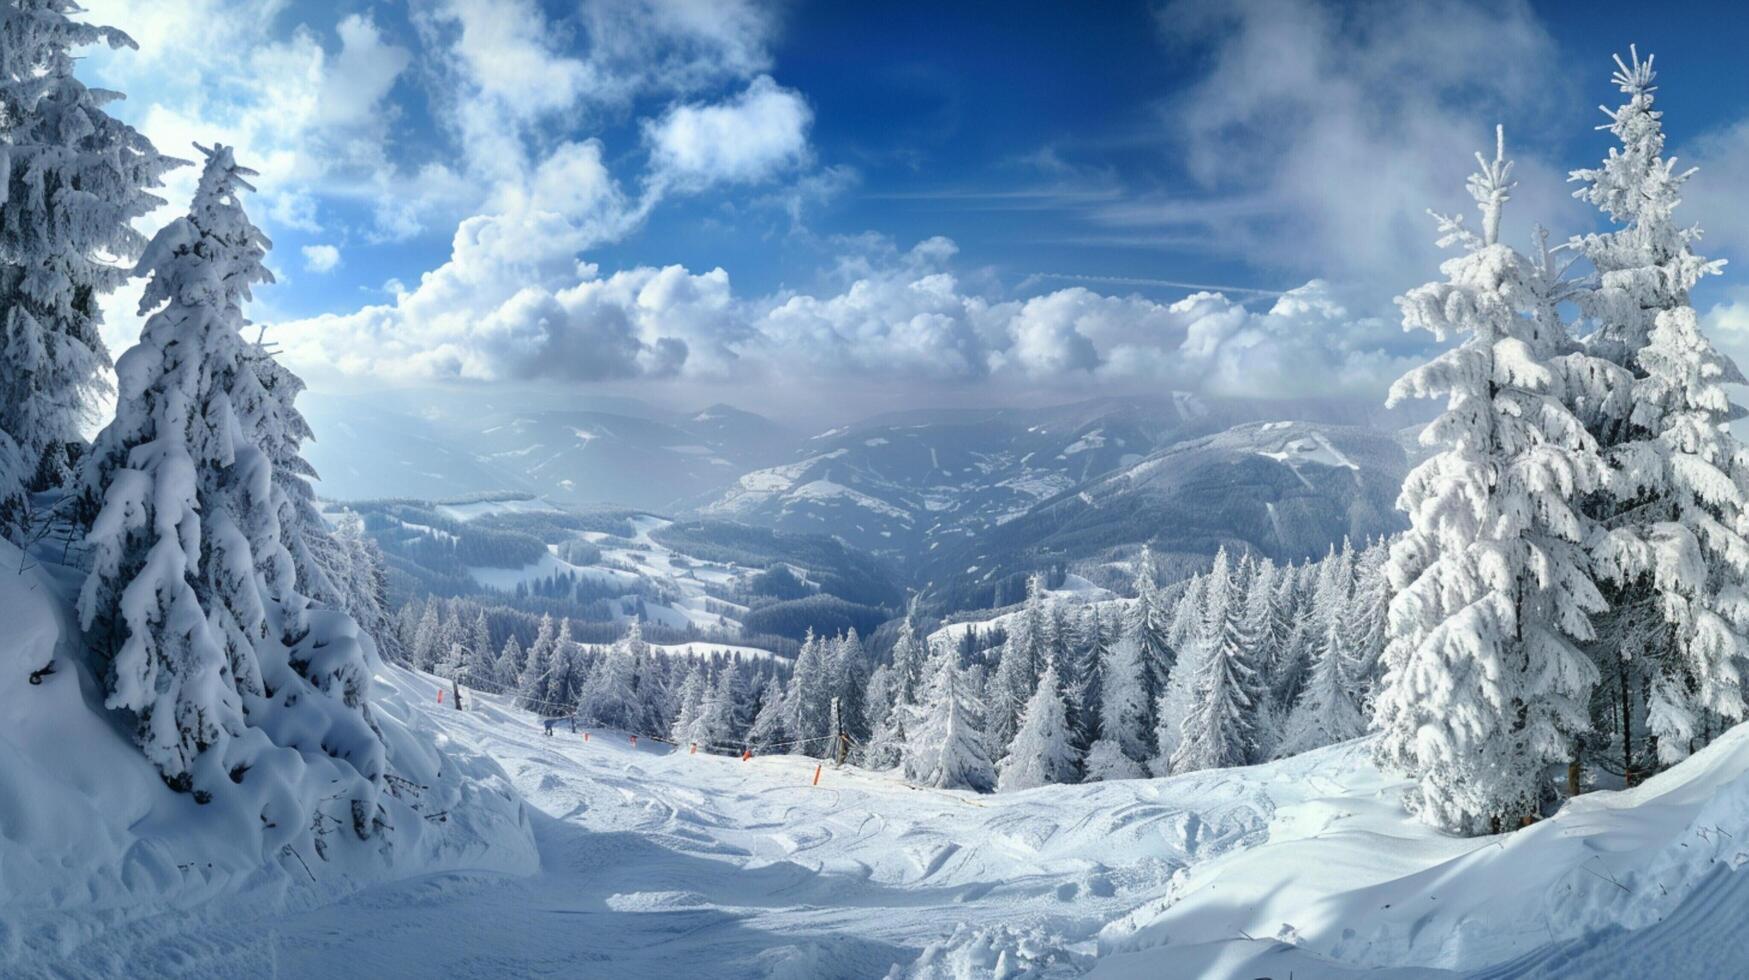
x=966, y=501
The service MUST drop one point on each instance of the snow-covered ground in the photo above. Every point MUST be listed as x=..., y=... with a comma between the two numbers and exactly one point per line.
x=657, y=862
x=654, y=861
x=104, y=871
x=624, y=567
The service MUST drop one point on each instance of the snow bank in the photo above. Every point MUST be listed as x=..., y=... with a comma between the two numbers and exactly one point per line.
x=1346, y=876
x=94, y=846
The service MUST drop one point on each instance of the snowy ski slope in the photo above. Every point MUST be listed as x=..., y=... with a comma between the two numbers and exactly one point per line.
x=657, y=862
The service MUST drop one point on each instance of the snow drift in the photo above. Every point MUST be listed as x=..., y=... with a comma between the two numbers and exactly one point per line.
x=94, y=846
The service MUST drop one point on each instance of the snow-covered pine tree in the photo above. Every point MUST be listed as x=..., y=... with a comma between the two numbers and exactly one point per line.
x=945, y=745
x=427, y=637
x=850, y=681
x=1041, y=752
x=192, y=593
x=688, y=719
x=716, y=724
x=565, y=678
x=1484, y=686
x=771, y=722
x=810, y=694
x=910, y=658
x=508, y=670
x=453, y=665
x=1219, y=721
x=360, y=575
x=1148, y=622
x=1328, y=709
x=537, y=671
x=1198, y=622
x=1016, y=677
x=611, y=695
x=1277, y=641
x=1083, y=659
x=75, y=179
x=886, y=737
x=422, y=644
x=1185, y=626
x=1123, y=708
x=1673, y=554
x=1367, y=614
x=1105, y=760
x=481, y=667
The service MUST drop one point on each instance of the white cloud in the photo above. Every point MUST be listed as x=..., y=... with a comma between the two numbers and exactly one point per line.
x=1320, y=134
x=321, y=258
x=1718, y=195
x=497, y=312
x=760, y=132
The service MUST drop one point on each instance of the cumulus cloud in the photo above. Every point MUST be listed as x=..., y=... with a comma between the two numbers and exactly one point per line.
x=311, y=113
x=747, y=139
x=321, y=258
x=901, y=316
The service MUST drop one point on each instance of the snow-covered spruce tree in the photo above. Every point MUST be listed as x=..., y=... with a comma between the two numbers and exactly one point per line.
x=427, y=636
x=945, y=746
x=611, y=695
x=882, y=749
x=537, y=671
x=1328, y=709
x=1123, y=708
x=810, y=695
x=1672, y=552
x=1199, y=620
x=1083, y=658
x=910, y=658
x=360, y=573
x=1106, y=761
x=1147, y=623
x=75, y=179
x=1367, y=615
x=480, y=669
x=771, y=722
x=508, y=670
x=849, y=671
x=1484, y=686
x=565, y=678
x=1016, y=676
x=1219, y=726
x=1041, y=752
x=688, y=720
x=192, y=595
x=716, y=723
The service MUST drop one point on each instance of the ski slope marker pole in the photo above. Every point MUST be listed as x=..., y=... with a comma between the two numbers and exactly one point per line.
x=816, y=775
x=585, y=736
x=440, y=695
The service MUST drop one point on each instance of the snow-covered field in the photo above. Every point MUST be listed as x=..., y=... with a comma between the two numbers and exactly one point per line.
x=656, y=862
x=624, y=567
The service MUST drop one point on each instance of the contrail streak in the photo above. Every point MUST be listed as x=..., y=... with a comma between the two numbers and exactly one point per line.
x=1173, y=283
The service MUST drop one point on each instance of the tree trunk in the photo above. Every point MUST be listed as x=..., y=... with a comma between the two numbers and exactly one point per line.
x=1575, y=774
x=1627, y=726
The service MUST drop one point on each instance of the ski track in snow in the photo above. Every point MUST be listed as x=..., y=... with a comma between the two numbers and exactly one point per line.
x=654, y=859
x=658, y=863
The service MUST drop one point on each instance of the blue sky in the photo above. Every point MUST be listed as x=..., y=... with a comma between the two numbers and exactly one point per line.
x=894, y=203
